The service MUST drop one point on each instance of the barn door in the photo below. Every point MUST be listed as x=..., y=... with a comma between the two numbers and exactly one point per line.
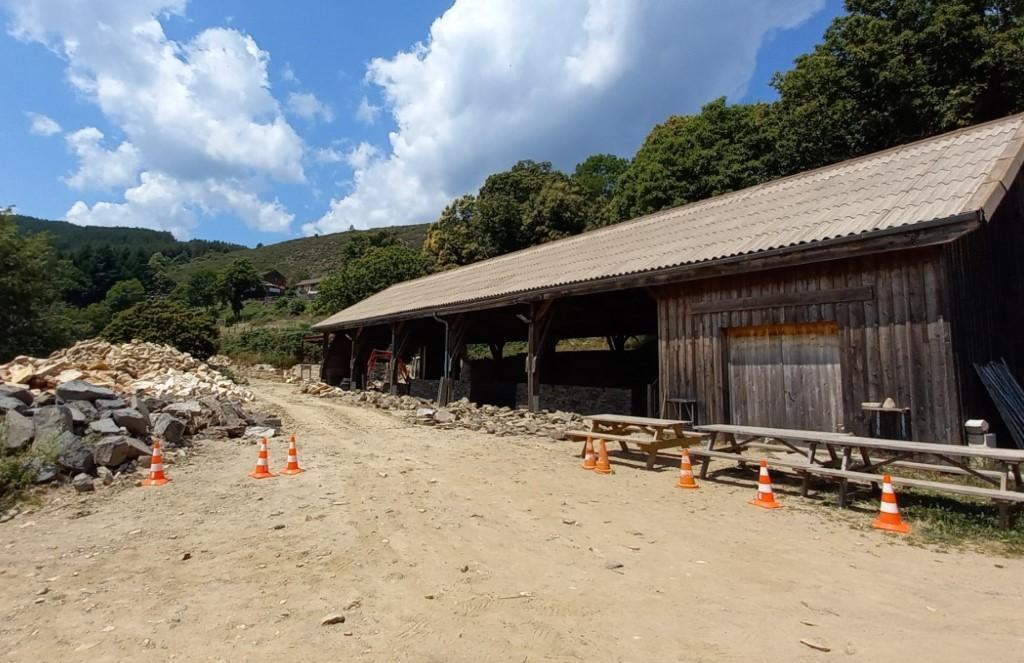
x=785, y=376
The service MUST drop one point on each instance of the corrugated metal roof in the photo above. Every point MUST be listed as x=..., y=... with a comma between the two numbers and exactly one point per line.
x=937, y=178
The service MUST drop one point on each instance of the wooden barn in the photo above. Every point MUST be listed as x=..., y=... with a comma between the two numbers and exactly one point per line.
x=789, y=304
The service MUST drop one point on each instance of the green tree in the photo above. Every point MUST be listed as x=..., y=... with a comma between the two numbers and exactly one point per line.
x=202, y=290
x=525, y=205
x=598, y=175
x=29, y=303
x=723, y=148
x=124, y=295
x=892, y=71
x=363, y=242
x=158, y=280
x=239, y=281
x=166, y=321
x=453, y=240
x=377, y=269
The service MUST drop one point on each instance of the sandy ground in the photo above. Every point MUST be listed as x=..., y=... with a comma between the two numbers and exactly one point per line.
x=456, y=546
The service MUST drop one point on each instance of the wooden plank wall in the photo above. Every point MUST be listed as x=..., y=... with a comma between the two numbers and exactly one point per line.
x=986, y=291
x=894, y=333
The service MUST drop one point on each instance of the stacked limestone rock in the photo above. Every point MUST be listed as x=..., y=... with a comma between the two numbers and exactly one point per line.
x=137, y=367
x=462, y=413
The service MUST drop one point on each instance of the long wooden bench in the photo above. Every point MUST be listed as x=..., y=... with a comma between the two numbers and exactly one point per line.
x=1003, y=498
x=646, y=444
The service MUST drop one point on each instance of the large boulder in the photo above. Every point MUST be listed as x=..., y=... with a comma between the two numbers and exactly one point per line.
x=83, y=483
x=184, y=409
x=42, y=471
x=117, y=449
x=232, y=421
x=104, y=427
x=85, y=408
x=16, y=391
x=133, y=420
x=73, y=455
x=80, y=390
x=52, y=420
x=138, y=403
x=17, y=432
x=167, y=428
x=8, y=403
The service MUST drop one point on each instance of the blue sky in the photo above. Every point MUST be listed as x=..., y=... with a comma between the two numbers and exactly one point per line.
x=258, y=122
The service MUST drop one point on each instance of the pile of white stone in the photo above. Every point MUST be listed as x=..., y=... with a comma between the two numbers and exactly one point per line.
x=128, y=368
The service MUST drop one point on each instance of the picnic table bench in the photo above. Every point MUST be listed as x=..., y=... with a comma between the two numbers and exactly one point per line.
x=728, y=442
x=648, y=434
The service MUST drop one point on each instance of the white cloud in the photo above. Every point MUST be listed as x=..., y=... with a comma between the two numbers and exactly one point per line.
x=367, y=113
x=288, y=74
x=328, y=155
x=42, y=125
x=199, y=116
x=165, y=203
x=502, y=80
x=308, y=107
x=99, y=168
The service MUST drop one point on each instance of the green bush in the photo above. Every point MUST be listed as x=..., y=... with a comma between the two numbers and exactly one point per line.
x=278, y=347
x=166, y=321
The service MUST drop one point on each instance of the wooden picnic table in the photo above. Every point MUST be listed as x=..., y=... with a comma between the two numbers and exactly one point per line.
x=656, y=434
x=727, y=439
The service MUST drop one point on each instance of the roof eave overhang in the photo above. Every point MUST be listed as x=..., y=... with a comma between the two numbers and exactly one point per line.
x=927, y=233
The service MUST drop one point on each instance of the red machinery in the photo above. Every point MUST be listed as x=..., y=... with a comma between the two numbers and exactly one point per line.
x=377, y=368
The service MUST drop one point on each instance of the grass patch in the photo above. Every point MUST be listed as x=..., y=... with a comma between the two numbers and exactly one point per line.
x=953, y=522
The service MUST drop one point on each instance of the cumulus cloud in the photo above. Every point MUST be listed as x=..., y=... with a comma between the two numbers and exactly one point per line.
x=199, y=116
x=501, y=80
x=308, y=107
x=166, y=203
x=367, y=113
x=42, y=125
x=328, y=155
x=98, y=167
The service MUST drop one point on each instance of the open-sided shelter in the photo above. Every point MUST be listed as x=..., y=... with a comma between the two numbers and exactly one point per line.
x=787, y=304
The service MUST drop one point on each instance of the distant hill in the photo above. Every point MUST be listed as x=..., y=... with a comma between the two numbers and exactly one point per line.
x=297, y=259
x=67, y=237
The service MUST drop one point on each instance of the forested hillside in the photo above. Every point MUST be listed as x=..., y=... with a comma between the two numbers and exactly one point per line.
x=297, y=259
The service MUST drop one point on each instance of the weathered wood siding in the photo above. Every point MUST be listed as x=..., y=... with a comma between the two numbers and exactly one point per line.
x=785, y=376
x=986, y=287
x=893, y=333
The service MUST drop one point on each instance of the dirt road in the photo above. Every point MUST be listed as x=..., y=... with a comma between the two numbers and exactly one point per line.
x=456, y=546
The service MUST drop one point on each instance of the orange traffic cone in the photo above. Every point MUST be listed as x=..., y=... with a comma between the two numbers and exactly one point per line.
x=889, y=512
x=603, y=466
x=765, y=497
x=156, y=467
x=686, y=479
x=262, y=470
x=293, y=459
x=589, y=460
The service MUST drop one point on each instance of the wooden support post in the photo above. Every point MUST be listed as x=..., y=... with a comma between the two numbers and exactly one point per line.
x=497, y=349
x=325, y=344
x=456, y=343
x=537, y=337
x=393, y=361
x=355, y=366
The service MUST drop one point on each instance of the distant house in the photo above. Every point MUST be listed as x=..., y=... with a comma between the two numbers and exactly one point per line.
x=275, y=277
x=308, y=288
x=274, y=282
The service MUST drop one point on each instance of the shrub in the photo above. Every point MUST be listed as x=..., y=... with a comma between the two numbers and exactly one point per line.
x=278, y=347
x=166, y=321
